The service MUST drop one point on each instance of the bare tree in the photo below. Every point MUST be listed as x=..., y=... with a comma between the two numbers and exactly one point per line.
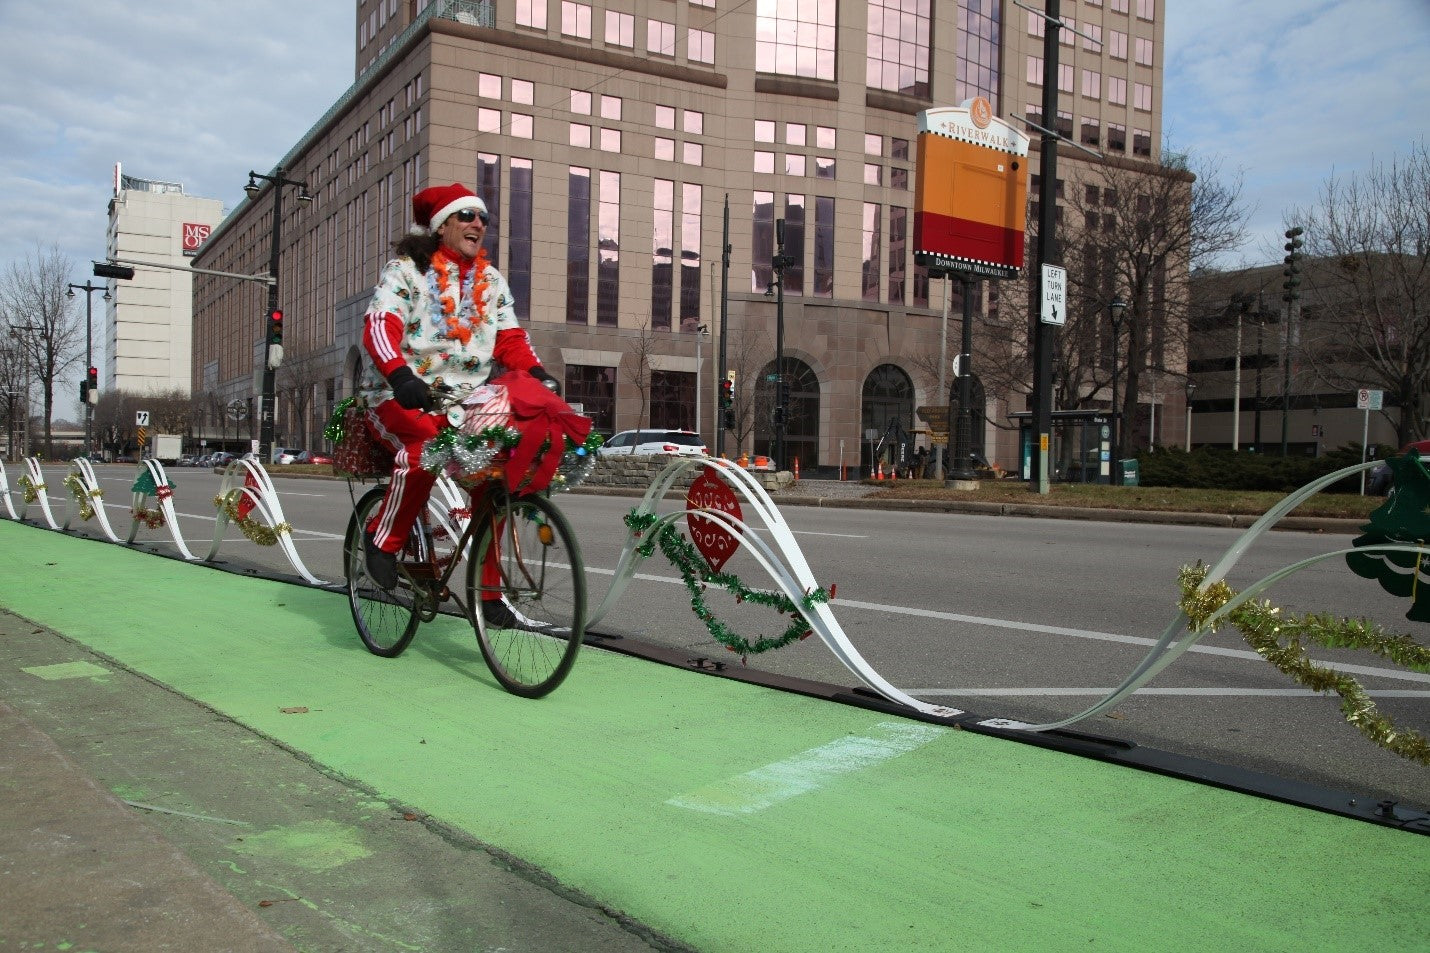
x=1367, y=290
x=32, y=295
x=304, y=371
x=637, y=370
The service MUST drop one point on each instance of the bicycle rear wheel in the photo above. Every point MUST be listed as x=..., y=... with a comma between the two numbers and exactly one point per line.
x=386, y=619
x=527, y=555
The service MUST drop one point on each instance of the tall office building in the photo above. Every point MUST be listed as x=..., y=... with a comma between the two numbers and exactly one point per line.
x=608, y=138
x=148, y=322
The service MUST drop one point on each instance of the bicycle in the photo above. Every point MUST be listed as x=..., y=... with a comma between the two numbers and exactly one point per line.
x=518, y=548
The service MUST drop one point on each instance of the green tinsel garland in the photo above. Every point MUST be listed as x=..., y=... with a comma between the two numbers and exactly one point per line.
x=82, y=497
x=337, y=423
x=1264, y=628
x=697, y=574
x=249, y=526
x=31, y=488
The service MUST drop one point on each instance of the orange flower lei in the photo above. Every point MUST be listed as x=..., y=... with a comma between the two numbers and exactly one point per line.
x=470, y=301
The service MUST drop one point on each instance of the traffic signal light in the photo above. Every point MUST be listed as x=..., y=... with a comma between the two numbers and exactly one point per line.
x=105, y=270
x=84, y=392
x=727, y=392
x=90, y=391
x=729, y=420
x=1292, y=284
x=275, y=327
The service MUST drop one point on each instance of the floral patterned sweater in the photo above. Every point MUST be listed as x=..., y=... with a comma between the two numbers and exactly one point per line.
x=456, y=322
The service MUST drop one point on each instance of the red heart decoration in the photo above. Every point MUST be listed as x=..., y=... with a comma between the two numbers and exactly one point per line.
x=716, y=543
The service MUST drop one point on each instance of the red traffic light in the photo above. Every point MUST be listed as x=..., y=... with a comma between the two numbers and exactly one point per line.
x=93, y=377
x=275, y=327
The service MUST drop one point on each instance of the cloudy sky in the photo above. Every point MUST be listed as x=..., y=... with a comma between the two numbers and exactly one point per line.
x=1285, y=91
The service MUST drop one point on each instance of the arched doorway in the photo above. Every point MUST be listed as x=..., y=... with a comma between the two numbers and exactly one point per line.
x=886, y=419
x=802, y=428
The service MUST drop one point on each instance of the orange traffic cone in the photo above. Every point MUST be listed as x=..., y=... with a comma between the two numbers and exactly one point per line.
x=881, y=471
x=894, y=473
x=796, y=469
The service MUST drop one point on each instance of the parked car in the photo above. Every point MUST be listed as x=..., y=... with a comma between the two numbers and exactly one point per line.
x=683, y=443
x=313, y=457
x=285, y=455
x=1380, y=479
x=221, y=459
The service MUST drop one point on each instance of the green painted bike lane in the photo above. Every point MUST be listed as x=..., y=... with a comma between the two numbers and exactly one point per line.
x=733, y=817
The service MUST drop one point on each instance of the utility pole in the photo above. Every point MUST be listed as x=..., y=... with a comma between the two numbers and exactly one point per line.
x=1044, y=334
x=1293, y=291
x=720, y=421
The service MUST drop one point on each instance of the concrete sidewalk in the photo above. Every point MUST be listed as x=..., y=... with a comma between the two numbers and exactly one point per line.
x=82, y=868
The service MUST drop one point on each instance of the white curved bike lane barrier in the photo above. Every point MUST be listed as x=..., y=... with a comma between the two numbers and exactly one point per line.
x=86, y=499
x=246, y=491
x=151, y=481
x=32, y=485
x=5, y=492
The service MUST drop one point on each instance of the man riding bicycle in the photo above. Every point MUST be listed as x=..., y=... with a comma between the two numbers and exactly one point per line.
x=442, y=313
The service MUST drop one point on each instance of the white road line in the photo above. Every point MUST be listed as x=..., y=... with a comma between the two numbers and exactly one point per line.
x=1190, y=692
x=807, y=771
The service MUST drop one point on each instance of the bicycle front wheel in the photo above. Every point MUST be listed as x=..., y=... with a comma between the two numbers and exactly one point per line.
x=386, y=619
x=526, y=586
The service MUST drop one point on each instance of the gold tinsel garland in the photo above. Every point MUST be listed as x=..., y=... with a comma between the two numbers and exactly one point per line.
x=82, y=496
x=1265, y=628
x=254, y=530
x=31, y=488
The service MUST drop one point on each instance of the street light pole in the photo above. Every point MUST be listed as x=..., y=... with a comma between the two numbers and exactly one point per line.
x=700, y=333
x=779, y=263
x=89, y=289
x=272, y=351
x=1191, y=388
x=1115, y=309
x=963, y=441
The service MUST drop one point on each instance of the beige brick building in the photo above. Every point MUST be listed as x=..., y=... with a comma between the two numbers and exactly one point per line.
x=607, y=138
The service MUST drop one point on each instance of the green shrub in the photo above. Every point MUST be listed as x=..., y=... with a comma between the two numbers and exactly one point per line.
x=1217, y=468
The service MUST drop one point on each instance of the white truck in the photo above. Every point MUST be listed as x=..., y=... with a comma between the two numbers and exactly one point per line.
x=167, y=448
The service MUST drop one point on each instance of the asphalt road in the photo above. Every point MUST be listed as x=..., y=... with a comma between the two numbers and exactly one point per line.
x=1011, y=617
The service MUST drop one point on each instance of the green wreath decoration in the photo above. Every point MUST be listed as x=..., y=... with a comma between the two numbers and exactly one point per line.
x=697, y=574
x=1264, y=628
x=250, y=527
x=82, y=496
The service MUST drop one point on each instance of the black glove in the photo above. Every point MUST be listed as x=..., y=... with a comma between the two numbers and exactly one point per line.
x=409, y=390
x=547, y=381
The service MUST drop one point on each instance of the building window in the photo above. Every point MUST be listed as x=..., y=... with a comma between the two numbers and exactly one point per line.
x=489, y=120
x=489, y=86
x=1142, y=96
x=1142, y=143
x=489, y=188
x=672, y=400
x=521, y=126
x=664, y=149
x=870, y=253
x=660, y=37
x=762, y=241
x=898, y=52
x=594, y=388
x=1065, y=77
x=1091, y=132
x=665, y=117
x=824, y=167
x=531, y=13
x=794, y=244
x=523, y=92
x=692, y=153
x=979, y=62
x=581, y=102
x=693, y=122
x=580, y=136
x=620, y=29
x=825, y=137
x=764, y=130
x=1092, y=37
x=611, y=108
x=764, y=162
x=662, y=284
x=1146, y=9
x=898, y=252
x=578, y=245
x=1117, y=90
x=518, y=243
x=1143, y=51
x=576, y=19
x=873, y=173
x=1092, y=84
x=823, y=247
x=1117, y=44
x=797, y=39
x=1035, y=71
x=1116, y=137
x=608, y=250
x=700, y=46
x=610, y=140
x=794, y=164
x=690, y=225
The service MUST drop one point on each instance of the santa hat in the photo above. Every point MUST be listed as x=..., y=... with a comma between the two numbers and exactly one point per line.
x=432, y=206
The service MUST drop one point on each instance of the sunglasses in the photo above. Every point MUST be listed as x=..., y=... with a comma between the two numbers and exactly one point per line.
x=469, y=215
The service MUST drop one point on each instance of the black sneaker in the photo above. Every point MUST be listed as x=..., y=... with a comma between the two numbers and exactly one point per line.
x=499, y=614
x=381, y=566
